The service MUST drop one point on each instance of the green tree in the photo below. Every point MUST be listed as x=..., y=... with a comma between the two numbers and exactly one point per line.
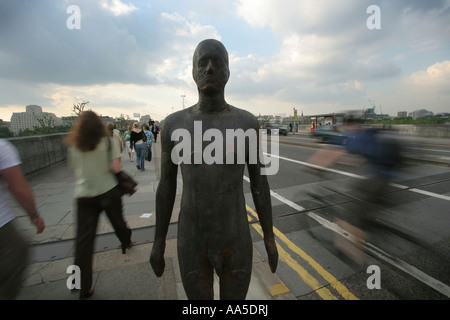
x=123, y=122
x=26, y=132
x=46, y=123
x=5, y=133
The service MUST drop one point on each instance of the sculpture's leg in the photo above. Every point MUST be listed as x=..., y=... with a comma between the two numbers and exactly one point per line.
x=236, y=273
x=196, y=274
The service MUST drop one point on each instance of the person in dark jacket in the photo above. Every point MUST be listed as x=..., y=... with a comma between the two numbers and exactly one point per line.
x=138, y=142
x=155, y=130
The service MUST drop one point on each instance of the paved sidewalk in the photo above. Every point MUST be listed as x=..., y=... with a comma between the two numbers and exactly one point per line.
x=117, y=276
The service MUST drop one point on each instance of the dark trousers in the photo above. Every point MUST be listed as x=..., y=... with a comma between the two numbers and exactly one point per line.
x=149, y=153
x=13, y=260
x=88, y=212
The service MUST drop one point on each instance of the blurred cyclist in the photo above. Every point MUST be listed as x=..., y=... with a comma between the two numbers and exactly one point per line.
x=380, y=154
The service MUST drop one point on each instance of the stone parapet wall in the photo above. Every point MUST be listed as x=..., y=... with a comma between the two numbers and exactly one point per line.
x=38, y=152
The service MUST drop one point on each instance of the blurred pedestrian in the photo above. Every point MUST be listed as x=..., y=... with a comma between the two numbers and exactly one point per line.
x=139, y=145
x=13, y=245
x=115, y=134
x=155, y=131
x=126, y=138
x=150, y=138
x=115, y=129
x=95, y=158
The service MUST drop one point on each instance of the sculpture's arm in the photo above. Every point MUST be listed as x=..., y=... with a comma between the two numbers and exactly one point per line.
x=263, y=205
x=165, y=198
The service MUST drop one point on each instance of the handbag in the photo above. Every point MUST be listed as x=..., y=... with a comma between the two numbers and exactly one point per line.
x=126, y=183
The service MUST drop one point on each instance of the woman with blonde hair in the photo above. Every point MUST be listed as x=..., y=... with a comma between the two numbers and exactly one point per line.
x=95, y=157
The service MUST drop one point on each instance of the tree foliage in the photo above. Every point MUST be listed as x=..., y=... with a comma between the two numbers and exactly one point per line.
x=123, y=122
x=5, y=133
x=41, y=131
x=78, y=108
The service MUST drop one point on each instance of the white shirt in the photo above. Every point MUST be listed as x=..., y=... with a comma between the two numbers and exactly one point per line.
x=9, y=157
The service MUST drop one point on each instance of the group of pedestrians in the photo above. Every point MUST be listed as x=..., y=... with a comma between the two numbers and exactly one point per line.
x=139, y=141
x=94, y=153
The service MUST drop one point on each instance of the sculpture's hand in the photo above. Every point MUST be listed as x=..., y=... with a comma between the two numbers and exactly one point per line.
x=272, y=253
x=157, y=259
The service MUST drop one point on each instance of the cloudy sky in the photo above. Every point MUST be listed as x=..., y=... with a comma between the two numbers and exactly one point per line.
x=135, y=56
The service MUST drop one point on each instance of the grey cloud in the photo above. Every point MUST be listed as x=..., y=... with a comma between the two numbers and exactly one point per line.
x=420, y=5
x=377, y=71
x=21, y=93
x=37, y=46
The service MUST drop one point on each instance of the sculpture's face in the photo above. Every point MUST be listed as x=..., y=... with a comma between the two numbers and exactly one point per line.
x=210, y=67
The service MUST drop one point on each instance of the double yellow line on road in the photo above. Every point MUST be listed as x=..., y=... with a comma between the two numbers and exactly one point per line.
x=312, y=282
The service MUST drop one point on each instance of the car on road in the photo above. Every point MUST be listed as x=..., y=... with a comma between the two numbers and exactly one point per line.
x=281, y=130
x=330, y=134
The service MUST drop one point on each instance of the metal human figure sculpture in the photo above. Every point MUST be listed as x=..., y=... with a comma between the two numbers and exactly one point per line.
x=213, y=229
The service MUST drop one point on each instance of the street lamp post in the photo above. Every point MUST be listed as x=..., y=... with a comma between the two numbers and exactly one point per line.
x=182, y=97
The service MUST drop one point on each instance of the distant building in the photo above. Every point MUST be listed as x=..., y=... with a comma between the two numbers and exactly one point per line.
x=145, y=119
x=107, y=119
x=422, y=113
x=28, y=119
x=69, y=120
x=402, y=114
x=369, y=114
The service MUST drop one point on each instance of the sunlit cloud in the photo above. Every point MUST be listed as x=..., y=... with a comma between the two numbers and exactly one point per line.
x=117, y=7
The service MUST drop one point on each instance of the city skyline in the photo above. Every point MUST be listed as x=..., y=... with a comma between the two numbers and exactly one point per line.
x=127, y=57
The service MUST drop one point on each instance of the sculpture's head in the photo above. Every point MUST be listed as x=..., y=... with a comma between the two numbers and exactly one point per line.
x=210, y=68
